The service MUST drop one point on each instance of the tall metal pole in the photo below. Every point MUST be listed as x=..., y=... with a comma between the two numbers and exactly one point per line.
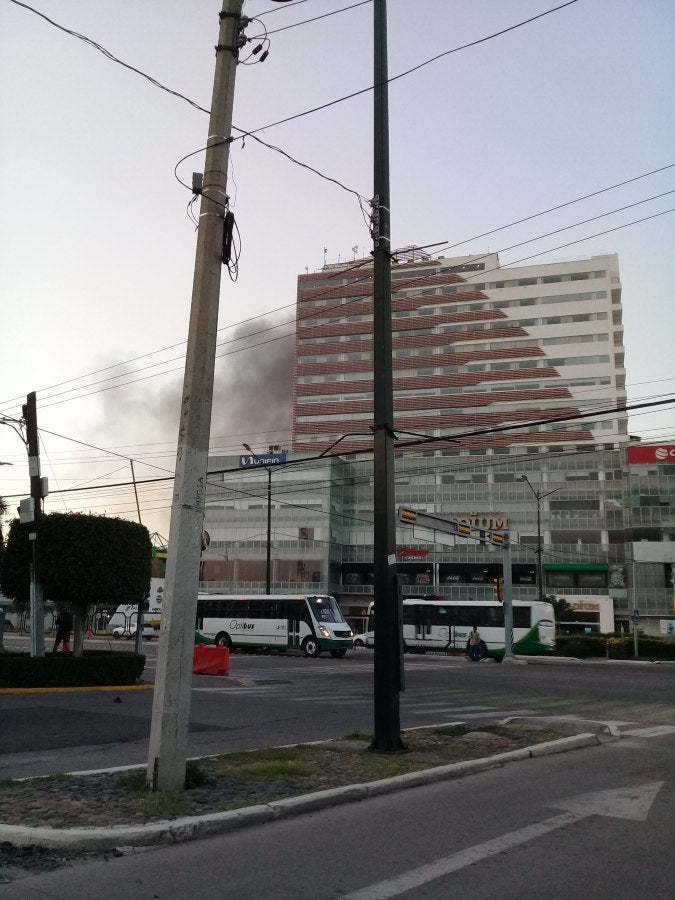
x=138, y=643
x=387, y=660
x=508, y=599
x=540, y=551
x=539, y=496
x=268, y=570
x=171, y=703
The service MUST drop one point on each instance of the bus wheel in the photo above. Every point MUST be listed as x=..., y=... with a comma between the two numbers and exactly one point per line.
x=337, y=654
x=223, y=640
x=311, y=647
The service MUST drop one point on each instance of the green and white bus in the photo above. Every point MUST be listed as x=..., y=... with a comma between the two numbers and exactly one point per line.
x=312, y=623
x=433, y=623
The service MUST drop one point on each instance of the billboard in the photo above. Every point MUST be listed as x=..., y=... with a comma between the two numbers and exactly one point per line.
x=652, y=453
x=254, y=460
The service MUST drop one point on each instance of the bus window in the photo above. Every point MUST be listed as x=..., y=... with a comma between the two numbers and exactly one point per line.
x=522, y=617
x=325, y=609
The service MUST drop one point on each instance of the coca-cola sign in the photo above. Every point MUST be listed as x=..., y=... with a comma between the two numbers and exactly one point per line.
x=652, y=453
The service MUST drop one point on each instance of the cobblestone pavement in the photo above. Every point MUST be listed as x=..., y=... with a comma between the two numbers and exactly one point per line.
x=113, y=799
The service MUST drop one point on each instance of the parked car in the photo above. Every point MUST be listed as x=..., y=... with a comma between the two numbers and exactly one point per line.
x=360, y=640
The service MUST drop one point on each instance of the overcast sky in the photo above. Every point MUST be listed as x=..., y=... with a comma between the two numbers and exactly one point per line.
x=97, y=248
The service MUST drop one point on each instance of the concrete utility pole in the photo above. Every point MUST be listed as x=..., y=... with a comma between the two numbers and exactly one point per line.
x=388, y=674
x=171, y=703
x=37, y=611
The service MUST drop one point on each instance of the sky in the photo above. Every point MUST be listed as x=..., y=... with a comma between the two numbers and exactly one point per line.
x=97, y=245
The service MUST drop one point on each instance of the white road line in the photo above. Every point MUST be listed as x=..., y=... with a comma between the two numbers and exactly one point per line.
x=624, y=803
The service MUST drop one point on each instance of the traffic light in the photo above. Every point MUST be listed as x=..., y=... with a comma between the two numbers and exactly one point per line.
x=498, y=591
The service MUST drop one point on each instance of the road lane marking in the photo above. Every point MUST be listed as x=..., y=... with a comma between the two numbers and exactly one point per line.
x=623, y=803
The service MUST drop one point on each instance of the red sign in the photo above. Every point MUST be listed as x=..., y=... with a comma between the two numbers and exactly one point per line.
x=653, y=453
x=410, y=552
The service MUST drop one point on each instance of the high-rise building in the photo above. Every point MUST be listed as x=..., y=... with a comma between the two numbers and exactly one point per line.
x=476, y=347
x=483, y=356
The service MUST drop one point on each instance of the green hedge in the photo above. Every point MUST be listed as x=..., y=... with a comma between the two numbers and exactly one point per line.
x=95, y=668
x=585, y=645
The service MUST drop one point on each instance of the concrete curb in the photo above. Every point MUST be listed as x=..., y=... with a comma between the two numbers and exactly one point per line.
x=82, y=689
x=191, y=827
x=605, y=731
x=587, y=660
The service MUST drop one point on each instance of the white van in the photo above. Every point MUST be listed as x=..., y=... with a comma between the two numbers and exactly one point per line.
x=123, y=621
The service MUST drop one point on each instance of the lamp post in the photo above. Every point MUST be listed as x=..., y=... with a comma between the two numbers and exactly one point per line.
x=268, y=569
x=540, y=550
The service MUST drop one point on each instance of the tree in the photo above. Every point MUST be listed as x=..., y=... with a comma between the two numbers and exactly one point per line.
x=15, y=565
x=81, y=560
x=563, y=611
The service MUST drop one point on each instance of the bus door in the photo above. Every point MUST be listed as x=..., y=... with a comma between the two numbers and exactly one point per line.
x=422, y=622
x=294, y=615
x=433, y=625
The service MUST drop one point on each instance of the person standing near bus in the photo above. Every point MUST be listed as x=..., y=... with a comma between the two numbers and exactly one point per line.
x=64, y=625
x=474, y=644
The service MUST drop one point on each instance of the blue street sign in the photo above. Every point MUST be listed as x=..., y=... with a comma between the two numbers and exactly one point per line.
x=255, y=460
x=636, y=616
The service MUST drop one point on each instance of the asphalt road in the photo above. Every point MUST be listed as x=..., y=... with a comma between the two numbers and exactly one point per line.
x=270, y=700
x=594, y=823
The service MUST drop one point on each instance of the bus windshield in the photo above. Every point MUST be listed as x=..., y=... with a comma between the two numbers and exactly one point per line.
x=325, y=609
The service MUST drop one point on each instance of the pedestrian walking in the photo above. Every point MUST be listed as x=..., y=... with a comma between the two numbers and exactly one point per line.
x=475, y=641
x=64, y=625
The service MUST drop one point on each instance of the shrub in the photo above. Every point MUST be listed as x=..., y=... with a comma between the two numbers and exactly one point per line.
x=581, y=645
x=584, y=645
x=94, y=668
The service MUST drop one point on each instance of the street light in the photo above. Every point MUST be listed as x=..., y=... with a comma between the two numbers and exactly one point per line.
x=540, y=550
x=268, y=570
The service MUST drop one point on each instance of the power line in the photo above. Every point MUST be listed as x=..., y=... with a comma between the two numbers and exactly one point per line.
x=307, y=21
x=340, y=307
x=322, y=311
x=409, y=296
x=622, y=408
x=110, y=56
x=252, y=132
x=416, y=68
